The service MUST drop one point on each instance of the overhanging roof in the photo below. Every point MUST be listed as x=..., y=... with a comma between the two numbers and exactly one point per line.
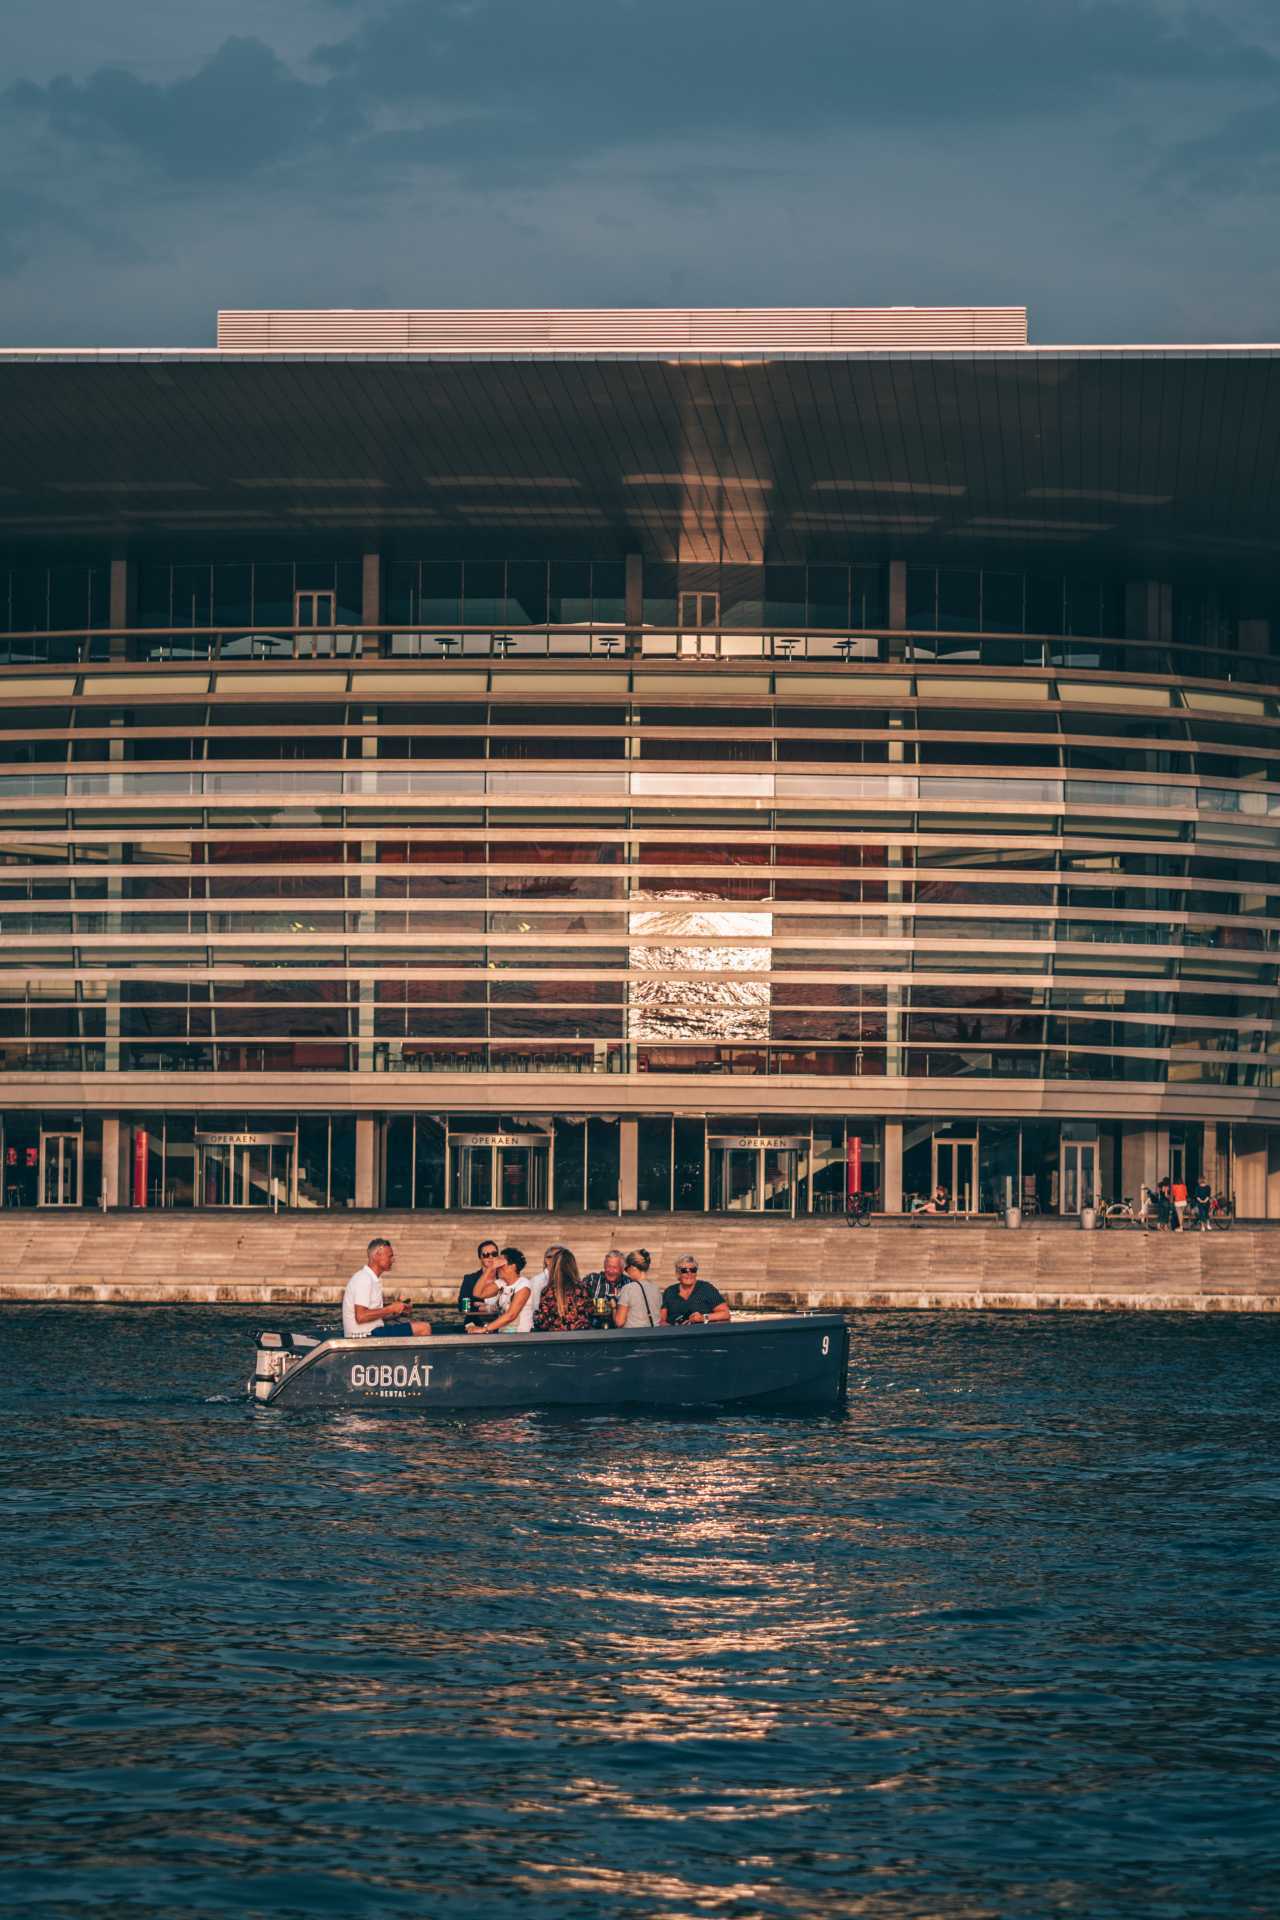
x=1147, y=459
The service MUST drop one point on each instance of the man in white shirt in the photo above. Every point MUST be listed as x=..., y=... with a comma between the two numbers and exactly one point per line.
x=364, y=1311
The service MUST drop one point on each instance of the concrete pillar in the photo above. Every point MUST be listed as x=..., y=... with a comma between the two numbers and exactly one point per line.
x=634, y=590
x=891, y=1168
x=628, y=1165
x=111, y=1159
x=1273, y=1173
x=1249, y=1171
x=371, y=595
x=897, y=593
x=122, y=601
x=122, y=610
x=367, y=1194
x=1144, y=1156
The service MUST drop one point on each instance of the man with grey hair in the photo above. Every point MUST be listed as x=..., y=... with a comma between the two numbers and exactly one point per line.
x=364, y=1310
x=604, y=1283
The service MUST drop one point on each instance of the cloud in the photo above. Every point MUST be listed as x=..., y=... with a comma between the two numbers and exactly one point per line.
x=241, y=112
x=1240, y=156
x=595, y=151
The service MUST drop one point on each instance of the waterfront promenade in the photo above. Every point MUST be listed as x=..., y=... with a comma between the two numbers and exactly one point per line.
x=300, y=1259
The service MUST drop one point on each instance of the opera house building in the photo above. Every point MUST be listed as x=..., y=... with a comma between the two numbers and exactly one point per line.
x=670, y=761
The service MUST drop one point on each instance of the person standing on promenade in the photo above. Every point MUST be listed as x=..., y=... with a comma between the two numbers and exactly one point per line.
x=1201, y=1201
x=365, y=1311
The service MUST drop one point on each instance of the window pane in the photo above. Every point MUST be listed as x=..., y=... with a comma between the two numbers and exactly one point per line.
x=526, y=593
x=68, y=597
x=784, y=596
x=400, y=593
x=232, y=596
x=1044, y=603
x=441, y=594
x=922, y=587
x=609, y=590
x=349, y=587
x=1083, y=609
x=154, y=597
x=1002, y=603
x=484, y=593
x=958, y=599
x=570, y=600
x=273, y=595
x=867, y=596
x=828, y=597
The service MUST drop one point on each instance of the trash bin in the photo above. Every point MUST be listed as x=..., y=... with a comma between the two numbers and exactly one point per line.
x=1013, y=1217
x=1088, y=1218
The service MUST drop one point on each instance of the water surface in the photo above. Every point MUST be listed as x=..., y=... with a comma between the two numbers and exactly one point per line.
x=1003, y=1641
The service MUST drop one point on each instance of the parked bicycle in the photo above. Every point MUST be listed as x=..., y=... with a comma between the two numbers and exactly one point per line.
x=858, y=1208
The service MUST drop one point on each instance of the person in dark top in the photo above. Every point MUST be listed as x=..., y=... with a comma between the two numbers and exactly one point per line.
x=487, y=1254
x=691, y=1299
x=1166, y=1216
x=1201, y=1201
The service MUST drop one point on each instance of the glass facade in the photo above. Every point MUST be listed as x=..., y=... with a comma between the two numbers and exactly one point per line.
x=881, y=875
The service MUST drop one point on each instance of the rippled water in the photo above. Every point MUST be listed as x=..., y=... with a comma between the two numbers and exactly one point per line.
x=1001, y=1641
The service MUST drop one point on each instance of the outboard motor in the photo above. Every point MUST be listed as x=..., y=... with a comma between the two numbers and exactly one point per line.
x=277, y=1352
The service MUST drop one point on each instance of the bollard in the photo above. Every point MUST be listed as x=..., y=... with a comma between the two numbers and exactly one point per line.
x=1013, y=1218
x=1088, y=1219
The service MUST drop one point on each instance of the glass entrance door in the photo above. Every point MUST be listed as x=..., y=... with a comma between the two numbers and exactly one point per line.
x=246, y=1176
x=473, y=1176
x=735, y=1180
x=61, y=1169
x=1078, y=1184
x=699, y=616
x=522, y=1178
x=778, y=1181
x=754, y=1179
x=500, y=1174
x=955, y=1164
x=314, y=609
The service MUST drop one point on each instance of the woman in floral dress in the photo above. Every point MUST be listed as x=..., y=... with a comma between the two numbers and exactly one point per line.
x=565, y=1306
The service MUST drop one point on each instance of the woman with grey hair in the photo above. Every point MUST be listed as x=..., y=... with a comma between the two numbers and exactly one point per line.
x=639, y=1301
x=691, y=1299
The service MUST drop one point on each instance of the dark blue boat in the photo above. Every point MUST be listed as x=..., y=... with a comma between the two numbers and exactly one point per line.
x=772, y=1360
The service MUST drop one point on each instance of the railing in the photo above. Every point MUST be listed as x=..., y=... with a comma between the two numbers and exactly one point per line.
x=754, y=1062
x=231, y=646
x=638, y=780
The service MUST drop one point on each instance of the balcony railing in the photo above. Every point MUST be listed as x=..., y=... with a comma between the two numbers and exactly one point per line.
x=231, y=646
x=636, y=780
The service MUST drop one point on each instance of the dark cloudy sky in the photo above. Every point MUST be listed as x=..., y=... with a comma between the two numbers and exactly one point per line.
x=1115, y=165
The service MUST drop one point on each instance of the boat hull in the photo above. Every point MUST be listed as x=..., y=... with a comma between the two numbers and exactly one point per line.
x=788, y=1360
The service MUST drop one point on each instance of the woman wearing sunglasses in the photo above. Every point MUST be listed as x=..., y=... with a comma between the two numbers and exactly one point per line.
x=691, y=1300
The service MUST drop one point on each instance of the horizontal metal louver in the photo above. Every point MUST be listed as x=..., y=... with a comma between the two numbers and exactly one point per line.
x=621, y=329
